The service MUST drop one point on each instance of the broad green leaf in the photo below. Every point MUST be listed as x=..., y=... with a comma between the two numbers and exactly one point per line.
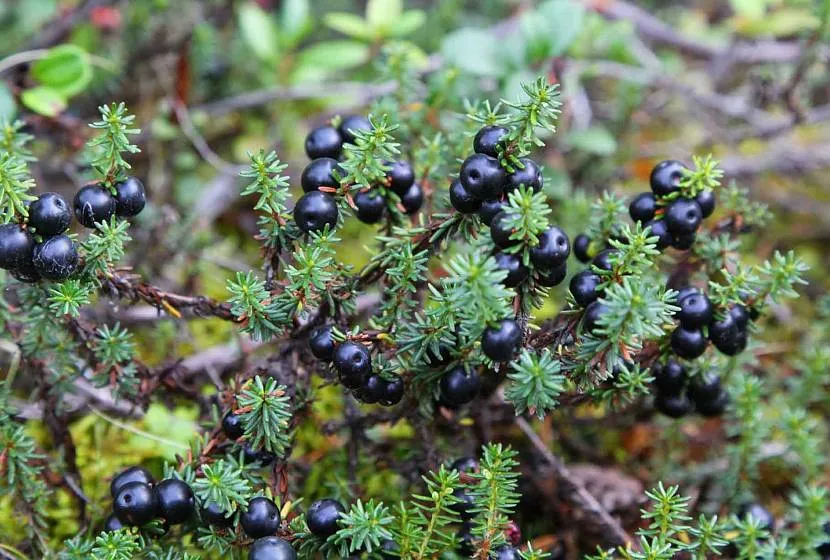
x=8, y=108
x=594, y=139
x=564, y=20
x=407, y=23
x=348, y=24
x=380, y=13
x=65, y=69
x=44, y=101
x=294, y=20
x=473, y=50
x=258, y=31
x=750, y=9
x=780, y=23
x=334, y=55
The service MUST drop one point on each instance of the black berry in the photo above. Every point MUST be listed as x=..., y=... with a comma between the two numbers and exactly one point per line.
x=320, y=173
x=661, y=232
x=673, y=406
x=401, y=177
x=686, y=291
x=260, y=456
x=26, y=274
x=412, y=199
x=715, y=406
x=323, y=141
x=582, y=244
x=130, y=197
x=584, y=287
x=135, y=504
x=724, y=332
x=482, y=176
x=489, y=139
x=705, y=387
x=16, y=247
x=271, y=548
x=501, y=230
x=706, y=201
x=371, y=390
x=551, y=278
x=352, y=123
x=465, y=538
x=465, y=505
x=112, y=523
x=669, y=378
x=56, y=258
x=683, y=242
x=322, y=517
x=500, y=342
x=593, y=313
x=353, y=363
x=665, y=177
x=553, y=249
x=93, y=204
x=695, y=311
x=516, y=271
x=741, y=316
x=370, y=206
x=603, y=259
x=506, y=552
x=737, y=345
x=262, y=518
x=132, y=474
x=232, y=426
x=642, y=207
x=321, y=343
x=440, y=358
x=530, y=176
x=683, y=216
x=49, y=215
x=462, y=200
x=393, y=391
x=465, y=465
x=489, y=209
x=459, y=386
x=175, y=500
x=314, y=211
x=688, y=343
x=215, y=516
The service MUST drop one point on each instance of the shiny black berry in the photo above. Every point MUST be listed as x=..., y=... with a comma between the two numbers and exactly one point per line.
x=16, y=247
x=584, y=287
x=603, y=259
x=553, y=249
x=715, y=406
x=130, y=197
x=135, y=504
x=320, y=173
x=489, y=209
x=371, y=390
x=232, y=426
x=132, y=474
x=353, y=123
x=213, y=515
x=462, y=200
x=49, y=215
x=322, y=517
x=673, y=406
x=724, y=332
x=695, y=311
x=258, y=456
x=683, y=242
x=516, y=271
x=262, y=518
x=175, y=500
x=661, y=232
x=93, y=204
x=321, y=343
x=706, y=201
x=593, y=313
x=393, y=390
x=582, y=244
x=506, y=552
x=353, y=363
x=704, y=387
x=760, y=513
x=314, y=211
x=323, y=141
x=465, y=465
x=669, y=378
x=741, y=315
x=501, y=230
x=370, y=206
x=412, y=199
x=642, y=207
x=56, y=258
x=26, y=274
x=489, y=139
x=271, y=548
x=683, y=216
x=665, y=177
x=530, y=176
x=501, y=341
x=551, y=278
x=737, y=345
x=112, y=523
x=482, y=176
x=401, y=177
x=459, y=386
x=688, y=343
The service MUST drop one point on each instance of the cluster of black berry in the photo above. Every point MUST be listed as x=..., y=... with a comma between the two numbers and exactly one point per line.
x=322, y=521
x=233, y=429
x=353, y=363
x=138, y=500
x=676, y=396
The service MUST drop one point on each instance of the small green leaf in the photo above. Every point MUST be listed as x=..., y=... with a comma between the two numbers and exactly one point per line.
x=44, y=101
x=473, y=50
x=595, y=139
x=407, y=23
x=258, y=31
x=335, y=55
x=65, y=69
x=295, y=22
x=8, y=108
x=381, y=13
x=348, y=24
x=750, y=9
x=564, y=19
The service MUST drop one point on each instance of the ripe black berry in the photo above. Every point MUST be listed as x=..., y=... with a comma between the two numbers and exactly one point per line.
x=56, y=258
x=489, y=139
x=669, y=378
x=482, y=176
x=353, y=363
x=642, y=207
x=93, y=204
x=175, y=500
x=741, y=315
x=49, y=215
x=715, y=406
x=26, y=274
x=530, y=176
x=683, y=216
x=465, y=504
x=686, y=291
x=695, y=311
x=824, y=548
x=459, y=386
x=132, y=474
x=683, y=242
x=688, y=343
x=314, y=211
x=462, y=200
x=516, y=271
x=506, y=552
x=465, y=465
x=215, y=516
x=321, y=343
x=371, y=390
x=323, y=141
x=501, y=230
x=706, y=201
x=262, y=518
x=661, y=232
x=322, y=517
x=135, y=504
x=401, y=177
x=593, y=313
x=16, y=247
x=370, y=206
x=393, y=390
x=704, y=387
x=130, y=197
x=259, y=456
x=320, y=173
x=673, y=406
x=603, y=259
x=112, y=523
x=551, y=278
x=737, y=345
x=271, y=548
x=553, y=249
x=584, y=287
x=440, y=358
x=724, y=332
x=665, y=177
x=581, y=245
x=465, y=538
x=500, y=342
x=759, y=512
x=350, y=124
x=489, y=209
x=412, y=199
x=232, y=426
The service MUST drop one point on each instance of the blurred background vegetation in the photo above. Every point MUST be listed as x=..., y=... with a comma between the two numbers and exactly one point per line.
x=212, y=79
